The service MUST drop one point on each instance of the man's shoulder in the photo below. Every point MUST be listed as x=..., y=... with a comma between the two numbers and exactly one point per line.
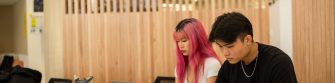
x=269, y=50
x=273, y=53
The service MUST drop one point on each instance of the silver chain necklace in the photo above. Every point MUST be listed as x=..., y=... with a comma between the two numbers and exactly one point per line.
x=248, y=76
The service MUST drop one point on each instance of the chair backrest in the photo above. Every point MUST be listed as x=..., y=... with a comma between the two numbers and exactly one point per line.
x=163, y=79
x=24, y=75
x=21, y=79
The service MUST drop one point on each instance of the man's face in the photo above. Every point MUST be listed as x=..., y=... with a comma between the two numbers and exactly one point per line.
x=233, y=52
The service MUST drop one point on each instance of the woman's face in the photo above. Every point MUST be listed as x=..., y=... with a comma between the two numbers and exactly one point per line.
x=183, y=45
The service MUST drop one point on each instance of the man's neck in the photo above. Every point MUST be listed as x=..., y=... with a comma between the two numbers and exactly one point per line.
x=251, y=56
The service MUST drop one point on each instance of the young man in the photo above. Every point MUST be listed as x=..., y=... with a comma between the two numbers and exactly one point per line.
x=248, y=61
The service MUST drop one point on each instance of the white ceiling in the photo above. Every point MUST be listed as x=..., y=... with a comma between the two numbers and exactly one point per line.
x=7, y=2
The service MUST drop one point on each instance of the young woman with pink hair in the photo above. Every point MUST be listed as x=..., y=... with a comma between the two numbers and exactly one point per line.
x=196, y=60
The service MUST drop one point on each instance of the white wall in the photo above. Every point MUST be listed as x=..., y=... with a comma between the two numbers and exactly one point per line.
x=281, y=25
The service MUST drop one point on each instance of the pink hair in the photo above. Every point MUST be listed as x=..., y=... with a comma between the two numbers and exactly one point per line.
x=199, y=48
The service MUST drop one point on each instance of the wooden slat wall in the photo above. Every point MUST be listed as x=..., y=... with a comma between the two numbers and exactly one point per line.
x=313, y=40
x=131, y=40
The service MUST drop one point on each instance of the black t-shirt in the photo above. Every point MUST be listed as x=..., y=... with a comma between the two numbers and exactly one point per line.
x=273, y=66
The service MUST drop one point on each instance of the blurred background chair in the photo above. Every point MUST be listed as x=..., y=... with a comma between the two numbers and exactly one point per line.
x=163, y=79
x=59, y=80
x=117, y=81
x=12, y=71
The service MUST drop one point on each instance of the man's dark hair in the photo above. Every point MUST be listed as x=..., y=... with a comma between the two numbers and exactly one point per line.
x=229, y=26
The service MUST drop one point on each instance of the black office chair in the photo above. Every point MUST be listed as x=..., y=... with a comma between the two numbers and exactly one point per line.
x=17, y=74
x=59, y=80
x=162, y=79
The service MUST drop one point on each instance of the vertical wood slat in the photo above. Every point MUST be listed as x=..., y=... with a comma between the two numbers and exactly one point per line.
x=156, y=36
x=109, y=36
x=115, y=52
x=205, y=15
x=94, y=41
x=148, y=34
x=329, y=42
x=185, y=3
x=131, y=31
x=131, y=34
x=194, y=9
x=72, y=37
x=233, y=4
x=295, y=33
x=332, y=36
x=258, y=14
x=65, y=43
x=88, y=45
x=113, y=5
x=211, y=17
x=226, y=2
x=123, y=42
x=140, y=34
x=95, y=6
x=107, y=41
x=105, y=15
x=79, y=23
x=170, y=19
x=140, y=41
x=265, y=22
x=113, y=38
x=324, y=41
x=97, y=50
x=75, y=36
x=304, y=45
x=82, y=28
x=307, y=60
x=238, y=4
x=65, y=13
x=219, y=5
x=317, y=34
x=246, y=3
x=66, y=37
x=101, y=60
x=171, y=46
x=137, y=41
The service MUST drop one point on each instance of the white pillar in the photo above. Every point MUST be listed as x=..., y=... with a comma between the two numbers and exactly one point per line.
x=36, y=59
x=281, y=25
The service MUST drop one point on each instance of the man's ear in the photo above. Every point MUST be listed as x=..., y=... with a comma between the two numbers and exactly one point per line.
x=248, y=39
